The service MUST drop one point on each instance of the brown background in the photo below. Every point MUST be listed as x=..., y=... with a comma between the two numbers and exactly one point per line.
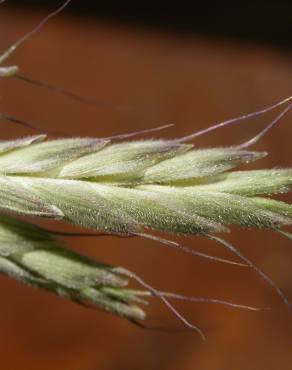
x=163, y=78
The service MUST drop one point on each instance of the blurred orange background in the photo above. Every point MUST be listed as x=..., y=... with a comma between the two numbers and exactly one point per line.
x=161, y=78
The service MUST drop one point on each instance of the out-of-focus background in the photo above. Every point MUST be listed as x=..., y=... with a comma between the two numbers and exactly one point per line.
x=188, y=64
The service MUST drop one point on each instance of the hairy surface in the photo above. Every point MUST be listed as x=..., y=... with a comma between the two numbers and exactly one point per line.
x=155, y=184
x=34, y=256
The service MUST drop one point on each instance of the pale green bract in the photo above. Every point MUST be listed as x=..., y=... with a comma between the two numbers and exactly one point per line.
x=34, y=256
x=122, y=188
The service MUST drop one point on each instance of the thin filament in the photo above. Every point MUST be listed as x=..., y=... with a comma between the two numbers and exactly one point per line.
x=158, y=294
x=136, y=133
x=57, y=133
x=257, y=137
x=166, y=242
x=212, y=300
x=31, y=126
x=85, y=235
x=252, y=265
x=173, y=244
x=82, y=99
x=23, y=39
x=234, y=120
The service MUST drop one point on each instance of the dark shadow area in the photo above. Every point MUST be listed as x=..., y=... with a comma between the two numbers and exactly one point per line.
x=266, y=22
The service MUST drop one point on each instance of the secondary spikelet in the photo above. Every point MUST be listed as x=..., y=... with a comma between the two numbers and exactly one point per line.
x=34, y=256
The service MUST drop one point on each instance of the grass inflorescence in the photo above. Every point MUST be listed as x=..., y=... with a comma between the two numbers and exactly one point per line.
x=132, y=187
x=126, y=188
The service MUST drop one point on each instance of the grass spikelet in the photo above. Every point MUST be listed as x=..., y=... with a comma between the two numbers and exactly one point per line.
x=34, y=256
x=125, y=187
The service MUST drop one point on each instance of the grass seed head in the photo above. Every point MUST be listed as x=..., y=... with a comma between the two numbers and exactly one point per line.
x=154, y=184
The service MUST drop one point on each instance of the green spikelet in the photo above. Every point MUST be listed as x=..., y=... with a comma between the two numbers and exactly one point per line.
x=34, y=256
x=126, y=187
